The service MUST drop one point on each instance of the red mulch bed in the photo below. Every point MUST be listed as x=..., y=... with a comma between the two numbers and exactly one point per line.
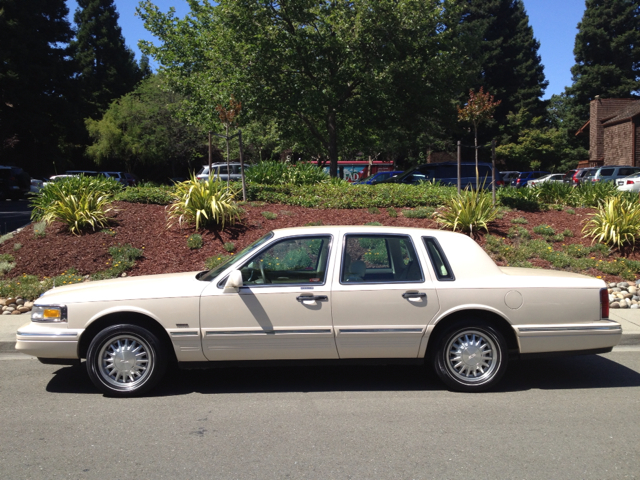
x=165, y=250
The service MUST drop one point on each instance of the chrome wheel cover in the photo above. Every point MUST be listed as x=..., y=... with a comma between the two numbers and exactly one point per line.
x=125, y=361
x=472, y=356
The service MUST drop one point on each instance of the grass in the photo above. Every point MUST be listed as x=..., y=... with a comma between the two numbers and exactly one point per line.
x=270, y=215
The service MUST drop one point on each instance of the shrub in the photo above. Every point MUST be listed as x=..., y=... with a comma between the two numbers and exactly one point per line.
x=229, y=246
x=313, y=224
x=17, y=246
x=593, y=193
x=374, y=224
x=567, y=233
x=545, y=230
x=39, y=229
x=28, y=287
x=392, y=212
x=7, y=263
x=525, y=199
x=279, y=173
x=270, y=215
x=520, y=221
x=149, y=194
x=519, y=232
x=557, y=238
x=207, y=203
x=373, y=210
x=6, y=237
x=78, y=202
x=212, y=262
x=570, y=211
x=616, y=223
x=468, y=212
x=556, y=193
x=194, y=241
x=123, y=258
x=418, y=213
x=576, y=250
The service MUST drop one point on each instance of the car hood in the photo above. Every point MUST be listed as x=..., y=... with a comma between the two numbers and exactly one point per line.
x=170, y=285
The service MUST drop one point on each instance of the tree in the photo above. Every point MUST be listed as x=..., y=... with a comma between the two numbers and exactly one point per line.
x=506, y=57
x=607, y=54
x=142, y=128
x=479, y=108
x=333, y=72
x=35, y=81
x=107, y=68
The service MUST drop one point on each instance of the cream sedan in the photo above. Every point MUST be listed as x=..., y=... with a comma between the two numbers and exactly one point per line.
x=325, y=294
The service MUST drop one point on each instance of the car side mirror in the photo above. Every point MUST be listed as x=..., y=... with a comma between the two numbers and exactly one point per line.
x=234, y=282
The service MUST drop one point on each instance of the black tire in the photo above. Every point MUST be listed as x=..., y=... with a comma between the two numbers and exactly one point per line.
x=126, y=360
x=470, y=356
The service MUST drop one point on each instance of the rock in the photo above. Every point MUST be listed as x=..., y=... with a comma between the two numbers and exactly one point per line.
x=613, y=285
x=9, y=309
x=6, y=313
x=627, y=301
x=635, y=306
x=623, y=285
x=16, y=312
x=614, y=305
x=624, y=305
x=611, y=298
x=29, y=305
x=12, y=305
x=10, y=301
x=634, y=302
x=616, y=289
x=632, y=290
x=19, y=301
x=23, y=309
x=627, y=295
x=3, y=301
x=124, y=274
x=638, y=283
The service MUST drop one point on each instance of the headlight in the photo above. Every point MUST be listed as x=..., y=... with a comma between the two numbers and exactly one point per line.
x=49, y=313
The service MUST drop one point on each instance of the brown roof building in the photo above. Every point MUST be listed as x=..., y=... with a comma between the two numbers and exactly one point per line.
x=614, y=132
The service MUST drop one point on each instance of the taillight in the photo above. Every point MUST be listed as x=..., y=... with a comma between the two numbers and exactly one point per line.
x=604, y=303
x=629, y=182
x=499, y=183
x=518, y=182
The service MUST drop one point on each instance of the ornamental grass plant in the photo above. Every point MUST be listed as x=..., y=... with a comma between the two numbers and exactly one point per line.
x=208, y=203
x=616, y=223
x=468, y=212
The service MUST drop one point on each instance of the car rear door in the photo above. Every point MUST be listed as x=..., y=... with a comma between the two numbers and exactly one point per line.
x=382, y=296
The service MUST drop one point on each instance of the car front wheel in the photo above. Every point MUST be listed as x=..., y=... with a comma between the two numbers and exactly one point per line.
x=126, y=360
x=471, y=357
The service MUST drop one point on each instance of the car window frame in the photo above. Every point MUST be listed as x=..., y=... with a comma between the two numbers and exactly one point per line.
x=371, y=234
x=445, y=261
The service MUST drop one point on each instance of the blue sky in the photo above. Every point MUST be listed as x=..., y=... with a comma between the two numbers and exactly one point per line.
x=554, y=24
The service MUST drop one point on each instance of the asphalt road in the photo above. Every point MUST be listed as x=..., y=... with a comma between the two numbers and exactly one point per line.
x=14, y=214
x=563, y=418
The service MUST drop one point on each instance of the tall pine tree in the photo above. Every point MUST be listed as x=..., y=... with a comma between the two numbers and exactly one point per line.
x=607, y=53
x=107, y=68
x=35, y=81
x=506, y=57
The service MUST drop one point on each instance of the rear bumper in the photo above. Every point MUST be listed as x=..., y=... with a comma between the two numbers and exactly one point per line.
x=569, y=337
x=47, y=341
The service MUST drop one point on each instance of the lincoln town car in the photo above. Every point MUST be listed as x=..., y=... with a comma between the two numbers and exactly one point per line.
x=328, y=294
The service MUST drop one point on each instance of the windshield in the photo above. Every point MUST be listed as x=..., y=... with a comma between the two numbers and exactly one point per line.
x=211, y=274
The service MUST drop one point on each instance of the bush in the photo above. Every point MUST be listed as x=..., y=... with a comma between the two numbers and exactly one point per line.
x=545, y=230
x=39, y=229
x=270, y=215
x=279, y=173
x=593, y=193
x=207, y=203
x=7, y=263
x=468, y=212
x=418, y=213
x=17, y=246
x=123, y=258
x=373, y=210
x=194, y=242
x=520, y=221
x=212, y=262
x=570, y=211
x=392, y=212
x=229, y=246
x=525, y=199
x=616, y=223
x=158, y=195
x=78, y=202
x=519, y=232
x=373, y=224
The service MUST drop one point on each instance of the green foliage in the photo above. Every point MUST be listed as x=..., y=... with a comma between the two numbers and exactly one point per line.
x=158, y=195
x=567, y=233
x=279, y=173
x=373, y=210
x=556, y=193
x=208, y=203
x=544, y=145
x=470, y=211
x=194, y=241
x=28, y=287
x=420, y=212
x=123, y=258
x=616, y=223
x=229, y=246
x=592, y=193
x=392, y=212
x=519, y=232
x=6, y=236
x=519, y=220
x=7, y=263
x=314, y=224
x=557, y=238
x=212, y=262
x=270, y=215
x=39, y=229
x=545, y=230
x=570, y=211
x=17, y=246
x=374, y=224
x=525, y=199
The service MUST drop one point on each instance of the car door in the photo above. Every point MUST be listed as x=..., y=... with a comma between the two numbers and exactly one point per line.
x=283, y=309
x=382, y=297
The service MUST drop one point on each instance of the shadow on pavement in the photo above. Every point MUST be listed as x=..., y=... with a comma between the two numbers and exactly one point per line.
x=591, y=371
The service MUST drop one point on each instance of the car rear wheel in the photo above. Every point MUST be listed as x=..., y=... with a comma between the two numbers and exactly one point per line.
x=126, y=360
x=470, y=357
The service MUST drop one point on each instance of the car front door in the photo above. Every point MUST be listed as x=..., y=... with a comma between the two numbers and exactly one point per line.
x=382, y=298
x=283, y=309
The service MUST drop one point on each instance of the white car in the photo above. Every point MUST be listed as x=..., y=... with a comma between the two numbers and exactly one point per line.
x=553, y=177
x=330, y=293
x=629, y=184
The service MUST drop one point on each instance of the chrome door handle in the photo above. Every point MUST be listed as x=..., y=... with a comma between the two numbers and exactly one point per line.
x=413, y=295
x=318, y=298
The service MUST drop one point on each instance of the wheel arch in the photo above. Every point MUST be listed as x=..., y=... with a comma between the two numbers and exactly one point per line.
x=130, y=318
x=494, y=319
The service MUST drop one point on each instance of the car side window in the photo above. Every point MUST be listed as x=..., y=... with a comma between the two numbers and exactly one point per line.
x=379, y=259
x=606, y=172
x=438, y=260
x=298, y=260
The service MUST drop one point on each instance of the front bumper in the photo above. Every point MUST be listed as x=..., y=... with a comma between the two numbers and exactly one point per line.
x=46, y=340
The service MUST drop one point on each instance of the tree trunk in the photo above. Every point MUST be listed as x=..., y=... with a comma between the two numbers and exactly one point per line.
x=333, y=143
x=475, y=131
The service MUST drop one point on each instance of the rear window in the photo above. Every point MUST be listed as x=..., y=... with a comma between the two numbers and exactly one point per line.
x=439, y=262
x=605, y=172
x=590, y=173
x=627, y=171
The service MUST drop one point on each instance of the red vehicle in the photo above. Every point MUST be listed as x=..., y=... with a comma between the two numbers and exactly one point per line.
x=356, y=170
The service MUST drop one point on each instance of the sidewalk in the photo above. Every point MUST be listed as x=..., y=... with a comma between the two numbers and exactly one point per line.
x=629, y=319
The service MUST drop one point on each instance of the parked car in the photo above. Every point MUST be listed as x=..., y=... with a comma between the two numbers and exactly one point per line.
x=57, y=178
x=508, y=176
x=336, y=293
x=377, y=178
x=36, y=186
x=609, y=173
x=15, y=183
x=581, y=175
x=447, y=174
x=525, y=177
x=126, y=179
x=86, y=173
x=552, y=177
x=630, y=183
x=220, y=171
x=569, y=177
